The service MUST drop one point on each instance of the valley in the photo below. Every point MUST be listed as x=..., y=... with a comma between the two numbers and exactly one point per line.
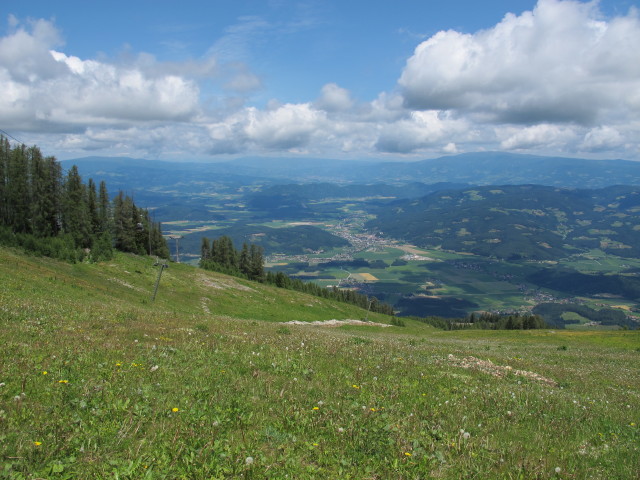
x=128, y=367
x=439, y=249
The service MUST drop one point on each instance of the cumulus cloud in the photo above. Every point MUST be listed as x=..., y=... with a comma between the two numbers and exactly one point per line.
x=282, y=127
x=560, y=63
x=334, y=99
x=601, y=139
x=543, y=135
x=25, y=53
x=420, y=130
x=558, y=79
x=44, y=88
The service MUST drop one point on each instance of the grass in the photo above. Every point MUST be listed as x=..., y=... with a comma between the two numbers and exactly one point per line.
x=98, y=382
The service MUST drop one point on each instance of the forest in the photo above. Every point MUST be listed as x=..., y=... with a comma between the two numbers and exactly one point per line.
x=51, y=212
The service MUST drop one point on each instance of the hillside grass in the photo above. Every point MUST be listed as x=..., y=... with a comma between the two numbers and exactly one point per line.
x=206, y=382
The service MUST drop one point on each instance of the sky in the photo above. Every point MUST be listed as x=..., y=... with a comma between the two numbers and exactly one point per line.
x=352, y=79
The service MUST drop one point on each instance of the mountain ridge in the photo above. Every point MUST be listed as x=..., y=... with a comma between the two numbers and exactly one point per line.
x=481, y=168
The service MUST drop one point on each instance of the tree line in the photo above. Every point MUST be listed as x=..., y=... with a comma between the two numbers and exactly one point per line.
x=49, y=212
x=221, y=256
x=488, y=321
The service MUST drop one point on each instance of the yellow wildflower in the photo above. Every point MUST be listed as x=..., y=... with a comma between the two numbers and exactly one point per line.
x=45, y=372
x=408, y=454
x=63, y=381
x=37, y=444
x=175, y=409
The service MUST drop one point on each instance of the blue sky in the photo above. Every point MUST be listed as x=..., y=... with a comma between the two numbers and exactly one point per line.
x=404, y=80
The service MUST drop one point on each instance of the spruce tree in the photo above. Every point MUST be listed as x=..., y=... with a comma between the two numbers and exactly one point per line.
x=256, y=261
x=104, y=209
x=92, y=207
x=5, y=152
x=45, y=178
x=123, y=226
x=244, y=262
x=158, y=242
x=75, y=212
x=17, y=191
x=205, y=251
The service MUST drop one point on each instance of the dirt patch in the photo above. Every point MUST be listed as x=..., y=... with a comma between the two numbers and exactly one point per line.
x=205, y=307
x=487, y=366
x=125, y=284
x=223, y=284
x=337, y=323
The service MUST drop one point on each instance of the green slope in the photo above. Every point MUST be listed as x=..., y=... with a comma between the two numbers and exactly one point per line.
x=98, y=382
x=125, y=286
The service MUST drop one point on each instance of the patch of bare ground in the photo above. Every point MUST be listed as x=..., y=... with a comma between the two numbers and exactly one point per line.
x=223, y=284
x=487, y=366
x=125, y=284
x=205, y=307
x=337, y=323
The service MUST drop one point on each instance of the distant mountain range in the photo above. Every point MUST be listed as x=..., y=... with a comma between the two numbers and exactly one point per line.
x=485, y=168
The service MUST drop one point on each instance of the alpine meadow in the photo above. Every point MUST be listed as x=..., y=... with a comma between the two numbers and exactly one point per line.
x=125, y=365
x=317, y=239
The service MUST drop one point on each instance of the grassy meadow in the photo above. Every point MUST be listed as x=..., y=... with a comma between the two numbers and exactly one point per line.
x=207, y=382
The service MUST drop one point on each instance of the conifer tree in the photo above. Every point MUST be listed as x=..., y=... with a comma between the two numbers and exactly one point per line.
x=92, y=207
x=75, y=211
x=5, y=152
x=17, y=191
x=104, y=208
x=244, y=262
x=45, y=179
x=256, y=262
x=122, y=223
x=205, y=251
x=159, y=245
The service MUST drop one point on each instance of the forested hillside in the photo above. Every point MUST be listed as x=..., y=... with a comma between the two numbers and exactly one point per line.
x=519, y=221
x=51, y=212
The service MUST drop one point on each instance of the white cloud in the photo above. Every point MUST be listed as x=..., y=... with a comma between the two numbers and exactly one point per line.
x=450, y=148
x=560, y=78
x=602, y=138
x=45, y=89
x=536, y=136
x=282, y=127
x=421, y=130
x=334, y=99
x=25, y=54
x=560, y=63
x=286, y=127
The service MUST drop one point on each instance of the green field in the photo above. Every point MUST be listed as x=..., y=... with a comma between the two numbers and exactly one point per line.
x=207, y=382
x=490, y=284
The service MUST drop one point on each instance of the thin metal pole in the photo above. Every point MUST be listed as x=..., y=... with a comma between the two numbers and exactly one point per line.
x=155, y=290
